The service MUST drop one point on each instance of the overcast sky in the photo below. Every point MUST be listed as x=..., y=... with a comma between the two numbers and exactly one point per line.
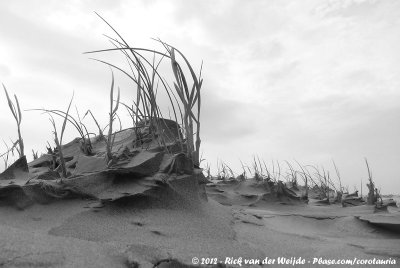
x=307, y=80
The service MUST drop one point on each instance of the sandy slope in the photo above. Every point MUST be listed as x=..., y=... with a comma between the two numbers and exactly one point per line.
x=135, y=230
x=146, y=231
x=330, y=233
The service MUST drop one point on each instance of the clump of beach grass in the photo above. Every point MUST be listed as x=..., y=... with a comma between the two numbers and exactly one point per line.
x=101, y=131
x=86, y=145
x=59, y=138
x=373, y=192
x=224, y=171
x=184, y=95
x=35, y=155
x=315, y=178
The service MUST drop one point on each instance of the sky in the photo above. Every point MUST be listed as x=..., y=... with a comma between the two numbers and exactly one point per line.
x=311, y=81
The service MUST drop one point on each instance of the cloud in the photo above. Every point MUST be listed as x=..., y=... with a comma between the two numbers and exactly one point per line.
x=266, y=50
x=4, y=70
x=364, y=9
x=42, y=47
x=226, y=120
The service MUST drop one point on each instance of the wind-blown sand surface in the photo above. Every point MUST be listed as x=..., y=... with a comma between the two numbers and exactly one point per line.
x=147, y=231
x=151, y=210
x=292, y=229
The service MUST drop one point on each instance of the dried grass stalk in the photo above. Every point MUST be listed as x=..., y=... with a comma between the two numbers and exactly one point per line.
x=16, y=112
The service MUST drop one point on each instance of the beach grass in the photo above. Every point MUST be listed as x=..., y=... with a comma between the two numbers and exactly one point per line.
x=16, y=112
x=184, y=96
x=58, y=139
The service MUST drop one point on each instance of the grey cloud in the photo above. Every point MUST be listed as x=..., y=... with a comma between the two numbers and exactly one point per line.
x=363, y=124
x=58, y=54
x=33, y=42
x=364, y=79
x=226, y=120
x=233, y=21
x=103, y=4
x=365, y=9
x=282, y=72
x=270, y=50
x=4, y=70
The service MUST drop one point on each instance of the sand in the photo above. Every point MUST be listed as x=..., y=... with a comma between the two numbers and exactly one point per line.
x=150, y=231
x=151, y=210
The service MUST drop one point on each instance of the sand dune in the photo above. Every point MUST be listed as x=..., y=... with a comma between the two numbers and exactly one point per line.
x=169, y=229
x=151, y=208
